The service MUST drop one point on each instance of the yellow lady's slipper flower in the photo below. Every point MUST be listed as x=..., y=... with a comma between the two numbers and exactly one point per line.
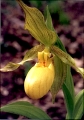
x=40, y=77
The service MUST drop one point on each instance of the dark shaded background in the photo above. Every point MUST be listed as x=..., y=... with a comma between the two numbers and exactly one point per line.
x=68, y=20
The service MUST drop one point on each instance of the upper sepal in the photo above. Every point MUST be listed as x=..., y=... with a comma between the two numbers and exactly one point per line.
x=35, y=24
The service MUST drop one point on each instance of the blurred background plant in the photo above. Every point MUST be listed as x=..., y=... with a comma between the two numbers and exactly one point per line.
x=55, y=8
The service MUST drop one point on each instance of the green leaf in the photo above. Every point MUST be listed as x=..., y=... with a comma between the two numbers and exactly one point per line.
x=60, y=67
x=66, y=58
x=67, y=83
x=54, y=6
x=36, y=3
x=60, y=44
x=63, y=18
x=68, y=86
x=49, y=19
x=69, y=95
x=60, y=74
x=35, y=24
x=30, y=55
x=79, y=105
x=63, y=74
x=69, y=80
x=68, y=101
x=25, y=109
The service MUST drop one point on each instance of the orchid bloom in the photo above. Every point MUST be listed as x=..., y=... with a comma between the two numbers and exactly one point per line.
x=50, y=70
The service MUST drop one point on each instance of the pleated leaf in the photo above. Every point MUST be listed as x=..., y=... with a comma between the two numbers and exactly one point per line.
x=63, y=77
x=49, y=23
x=60, y=74
x=69, y=102
x=66, y=58
x=30, y=55
x=35, y=24
x=25, y=109
x=79, y=105
x=68, y=86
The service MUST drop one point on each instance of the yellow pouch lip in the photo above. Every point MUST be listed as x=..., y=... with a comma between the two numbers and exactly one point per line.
x=40, y=77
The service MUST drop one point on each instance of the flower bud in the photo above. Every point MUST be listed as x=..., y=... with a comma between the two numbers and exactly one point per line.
x=40, y=77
